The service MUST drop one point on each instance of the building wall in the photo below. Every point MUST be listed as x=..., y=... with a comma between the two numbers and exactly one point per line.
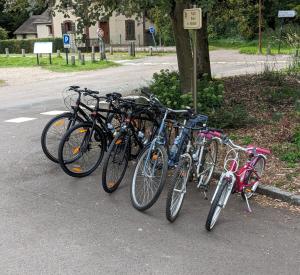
x=118, y=31
x=116, y=28
x=43, y=31
x=28, y=36
x=58, y=19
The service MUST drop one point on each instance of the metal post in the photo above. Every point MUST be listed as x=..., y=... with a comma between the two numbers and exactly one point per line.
x=50, y=59
x=37, y=59
x=79, y=54
x=195, y=72
x=7, y=52
x=259, y=28
x=67, y=56
x=280, y=34
x=93, y=57
x=82, y=60
x=73, y=60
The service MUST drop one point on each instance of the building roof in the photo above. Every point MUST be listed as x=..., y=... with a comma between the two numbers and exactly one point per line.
x=29, y=26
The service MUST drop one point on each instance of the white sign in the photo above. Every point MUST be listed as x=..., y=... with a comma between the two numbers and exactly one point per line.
x=287, y=14
x=67, y=41
x=192, y=19
x=43, y=47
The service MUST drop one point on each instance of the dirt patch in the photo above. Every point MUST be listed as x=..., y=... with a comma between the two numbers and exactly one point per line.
x=270, y=101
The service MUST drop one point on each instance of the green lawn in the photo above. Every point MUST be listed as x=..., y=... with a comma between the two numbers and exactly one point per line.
x=58, y=64
x=2, y=82
x=250, y=47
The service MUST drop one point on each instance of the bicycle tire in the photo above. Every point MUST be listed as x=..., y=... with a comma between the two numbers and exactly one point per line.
x=52, y=154
x=163, y=167
x=216, y=205
x=211, y=169
x=180, y=176
x=248, y=175
x=119, y=141
x=88, y=130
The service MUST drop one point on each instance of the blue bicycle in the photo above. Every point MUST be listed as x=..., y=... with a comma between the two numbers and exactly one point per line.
x=153, y=163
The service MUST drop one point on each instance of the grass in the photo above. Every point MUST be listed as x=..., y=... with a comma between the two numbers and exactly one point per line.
x=250, y=47
x=58, y=64
x=2, y=82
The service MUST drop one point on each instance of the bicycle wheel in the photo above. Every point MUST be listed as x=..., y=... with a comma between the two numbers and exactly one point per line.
x=177, y=188
x=252, y=177
x=81, y=150
x=53, y=133
x=149, y=177
x=217, y=205
x=208, y=162
x=115, y=163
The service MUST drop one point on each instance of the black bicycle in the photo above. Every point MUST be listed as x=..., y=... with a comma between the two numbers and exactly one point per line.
x=82, y=147
x=137, y=130
x=57, y=126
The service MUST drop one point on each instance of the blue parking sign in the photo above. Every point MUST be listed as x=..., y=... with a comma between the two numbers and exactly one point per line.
x=66, y=40
x=151, y=29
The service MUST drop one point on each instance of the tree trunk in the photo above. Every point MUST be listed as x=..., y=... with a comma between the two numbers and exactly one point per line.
x=203, y=60
x=183, y=46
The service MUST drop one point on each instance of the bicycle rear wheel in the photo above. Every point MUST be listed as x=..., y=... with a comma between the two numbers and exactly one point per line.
x=115, y=163
x=252, y=177
x=177, y=188
x=208, y=162
x=217, y=205
x=81, y=150
x=54, y=131
x=149, y=177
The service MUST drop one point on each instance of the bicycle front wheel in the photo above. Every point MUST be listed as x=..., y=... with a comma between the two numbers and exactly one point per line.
x=177, y=188
x=217, y=205
x=115, y=163
x=149, y=177
x=81, y=150
x=54, y=131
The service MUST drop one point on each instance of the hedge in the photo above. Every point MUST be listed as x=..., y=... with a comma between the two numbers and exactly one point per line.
x=16, y=46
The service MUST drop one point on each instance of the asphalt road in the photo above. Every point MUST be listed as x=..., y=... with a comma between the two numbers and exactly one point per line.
x=54, y=224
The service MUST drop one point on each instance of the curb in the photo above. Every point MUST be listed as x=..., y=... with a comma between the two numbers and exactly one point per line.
x=277, y=193
x=274, y=192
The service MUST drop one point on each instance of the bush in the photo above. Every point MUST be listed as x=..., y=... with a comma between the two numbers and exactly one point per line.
x=3, y=34
x=15, y=46
x=166, y=86
x=289, y=151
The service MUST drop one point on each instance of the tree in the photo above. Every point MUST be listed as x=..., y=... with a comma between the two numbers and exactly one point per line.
x=13, y=13
x=3, y=34
x=89, y=12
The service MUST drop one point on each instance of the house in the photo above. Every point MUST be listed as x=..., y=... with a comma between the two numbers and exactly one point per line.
x=118, y=29
x=37, y=26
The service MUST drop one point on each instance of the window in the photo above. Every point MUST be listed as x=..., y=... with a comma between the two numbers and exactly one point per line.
x=50, y=29
x=130, y=29
x=24, y=36
x=67, y=26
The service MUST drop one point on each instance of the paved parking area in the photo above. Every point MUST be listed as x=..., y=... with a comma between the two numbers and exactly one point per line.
x=54, y=224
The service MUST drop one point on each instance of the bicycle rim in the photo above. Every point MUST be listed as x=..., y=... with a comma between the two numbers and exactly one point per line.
x=149, y=177
x=81, y=150
x=208, y=162
x=177, y=188
x=53, y=133
x=115, y=164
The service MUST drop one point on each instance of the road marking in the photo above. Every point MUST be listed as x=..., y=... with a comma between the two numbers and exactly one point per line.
x=20, y=119
x=53, y=113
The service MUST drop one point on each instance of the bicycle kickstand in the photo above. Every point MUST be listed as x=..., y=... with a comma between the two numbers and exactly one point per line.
x=248, y=205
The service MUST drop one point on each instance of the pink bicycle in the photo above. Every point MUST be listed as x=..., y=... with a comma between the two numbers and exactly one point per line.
x=244, y=180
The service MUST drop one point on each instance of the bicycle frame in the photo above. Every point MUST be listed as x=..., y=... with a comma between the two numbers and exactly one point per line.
x=236, y=177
